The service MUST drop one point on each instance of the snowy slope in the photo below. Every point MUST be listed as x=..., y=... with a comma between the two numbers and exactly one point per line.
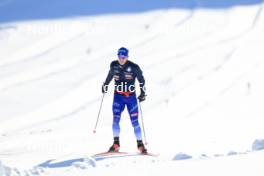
x=203, y=62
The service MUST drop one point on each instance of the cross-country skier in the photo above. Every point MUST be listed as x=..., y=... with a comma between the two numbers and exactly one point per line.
x=125, y=72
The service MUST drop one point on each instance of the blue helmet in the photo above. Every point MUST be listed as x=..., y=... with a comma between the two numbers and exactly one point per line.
x=122, y=52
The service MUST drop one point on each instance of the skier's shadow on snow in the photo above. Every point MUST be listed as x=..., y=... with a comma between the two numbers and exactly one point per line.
x=66, y=163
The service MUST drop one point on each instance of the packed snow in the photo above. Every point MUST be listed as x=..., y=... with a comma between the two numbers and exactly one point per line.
x=203, y=64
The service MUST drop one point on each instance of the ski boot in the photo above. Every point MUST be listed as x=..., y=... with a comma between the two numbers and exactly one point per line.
x=142, y=149
x=116, y=146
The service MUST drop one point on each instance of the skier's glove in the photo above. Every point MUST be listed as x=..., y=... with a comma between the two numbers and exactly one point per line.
x=142, y=97
x=104, y=88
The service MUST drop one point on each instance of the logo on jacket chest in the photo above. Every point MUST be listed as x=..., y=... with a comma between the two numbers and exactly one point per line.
x=128, y=75
x=128, y=69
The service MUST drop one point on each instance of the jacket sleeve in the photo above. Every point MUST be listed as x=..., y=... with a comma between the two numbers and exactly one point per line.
x=141, y=79
x=110, y=75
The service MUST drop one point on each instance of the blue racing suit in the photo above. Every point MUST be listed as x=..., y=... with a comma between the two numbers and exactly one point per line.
x=125, y=95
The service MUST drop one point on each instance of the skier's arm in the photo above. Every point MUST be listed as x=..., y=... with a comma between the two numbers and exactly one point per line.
x=108, y=79
x=110, y=75
x=141, y=81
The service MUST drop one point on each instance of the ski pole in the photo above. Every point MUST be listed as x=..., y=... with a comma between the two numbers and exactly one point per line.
x=143, y=126
x=99, y=113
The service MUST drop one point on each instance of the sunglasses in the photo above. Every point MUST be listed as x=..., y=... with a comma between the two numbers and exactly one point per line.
x=122, y=57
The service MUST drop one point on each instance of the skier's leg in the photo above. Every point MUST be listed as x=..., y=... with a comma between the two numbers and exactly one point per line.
x=118, y=108
x=132, y=106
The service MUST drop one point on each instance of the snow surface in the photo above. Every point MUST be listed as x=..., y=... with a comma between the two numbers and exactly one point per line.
x=203, y=63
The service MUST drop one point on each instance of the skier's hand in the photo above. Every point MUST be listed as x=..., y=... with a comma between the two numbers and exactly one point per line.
x=104, y=88
x=142, y=97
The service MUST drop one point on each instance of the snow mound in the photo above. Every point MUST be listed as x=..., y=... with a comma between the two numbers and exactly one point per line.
x=182, y=156
x=8, y=171
x=4, y=171
x=258, y=145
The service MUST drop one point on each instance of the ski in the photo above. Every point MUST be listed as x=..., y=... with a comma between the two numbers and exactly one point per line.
x=123, y=153
x=149, y=154
x=110, y=153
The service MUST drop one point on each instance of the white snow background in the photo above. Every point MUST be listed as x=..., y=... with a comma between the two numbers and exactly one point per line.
x=203, y=61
